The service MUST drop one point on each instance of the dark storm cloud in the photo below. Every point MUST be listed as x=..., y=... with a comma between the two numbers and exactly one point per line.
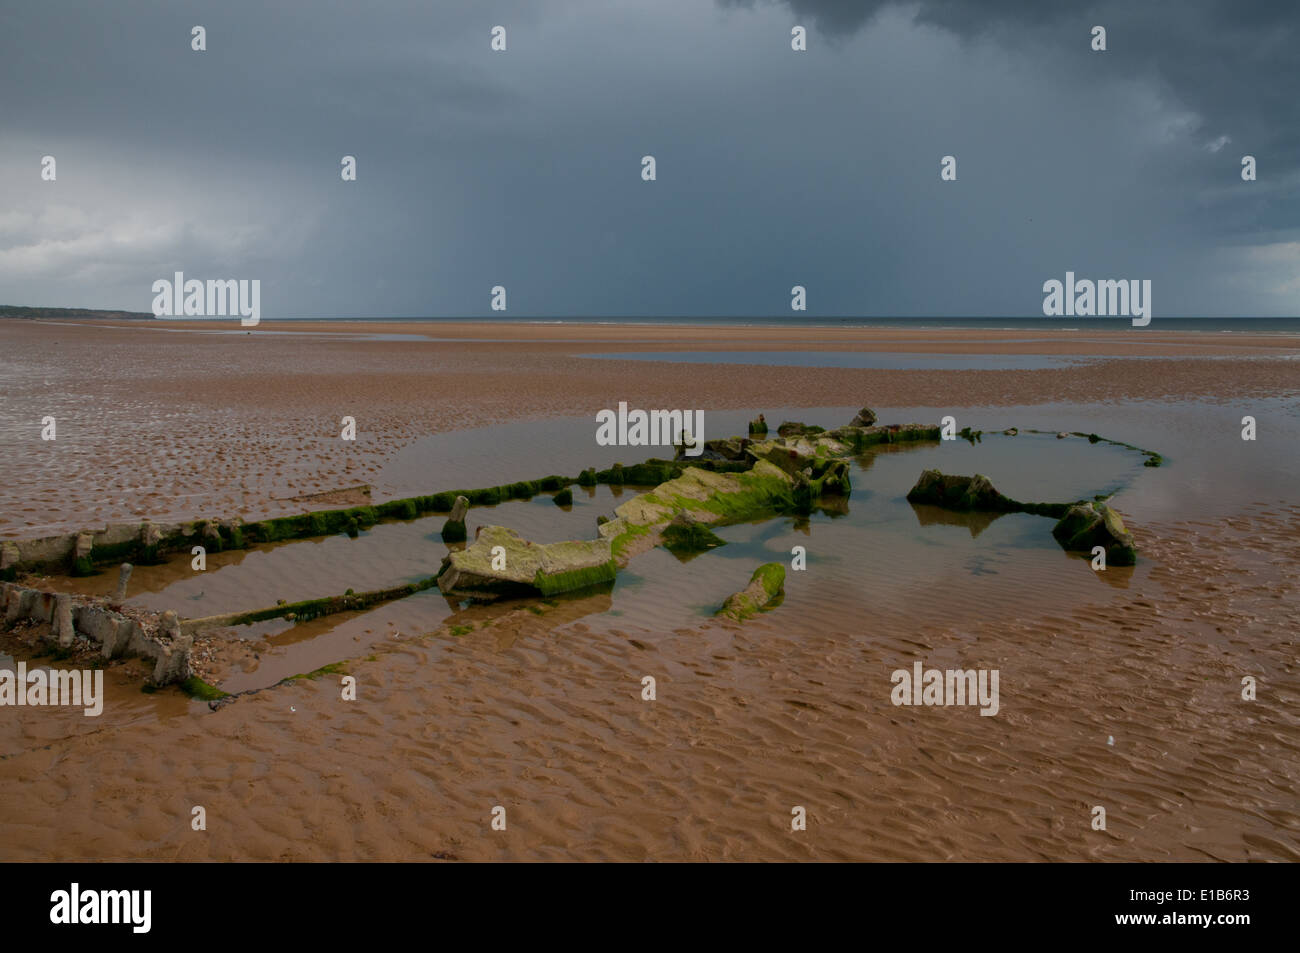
x=829, y=16
x=775, y=168
x=1233, y=63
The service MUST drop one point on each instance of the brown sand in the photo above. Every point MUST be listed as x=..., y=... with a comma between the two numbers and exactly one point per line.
x=543, y=715
x=748, y=723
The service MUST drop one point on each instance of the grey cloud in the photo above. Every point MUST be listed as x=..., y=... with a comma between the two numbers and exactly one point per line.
x=1231, y=63
x=522, y=168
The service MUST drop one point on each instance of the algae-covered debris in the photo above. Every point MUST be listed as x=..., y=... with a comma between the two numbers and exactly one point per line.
x=686, y=535
x=794, y=428
x=766, y=585
x=1081, y=525
x=333, y=668
x=711, y=498
x=196, y=687
x=736, y=479
x=148, y=543
x=81, y=561
x=1087, y=525
x=784, y=475
x=866, y=417
x=309, y=609
x=960, y=493
x=453, y=531
x=501, y=563
x=10, y=557
x=777, y=476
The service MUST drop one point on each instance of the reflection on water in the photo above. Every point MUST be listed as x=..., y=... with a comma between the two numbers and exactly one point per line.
x=526, y=450
x=975, y=522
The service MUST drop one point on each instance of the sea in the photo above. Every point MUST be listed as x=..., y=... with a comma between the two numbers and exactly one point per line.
x=1251, y=325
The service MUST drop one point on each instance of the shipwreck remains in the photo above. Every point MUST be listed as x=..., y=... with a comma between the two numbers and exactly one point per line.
x=803, y=469
x=118, y=634
x=733, y=480
x=1082, y=525
x=501, y=563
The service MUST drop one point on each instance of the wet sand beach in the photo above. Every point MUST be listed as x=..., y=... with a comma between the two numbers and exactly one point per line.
x=169, y=420
x=1120, y=689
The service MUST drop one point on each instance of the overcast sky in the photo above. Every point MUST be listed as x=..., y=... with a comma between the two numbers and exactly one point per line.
x=775, y=168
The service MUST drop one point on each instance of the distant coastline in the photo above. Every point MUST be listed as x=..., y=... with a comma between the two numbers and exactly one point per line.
x=14, y=311
x=1254, y=325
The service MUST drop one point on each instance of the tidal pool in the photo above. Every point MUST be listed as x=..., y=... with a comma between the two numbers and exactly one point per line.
x=874, y=554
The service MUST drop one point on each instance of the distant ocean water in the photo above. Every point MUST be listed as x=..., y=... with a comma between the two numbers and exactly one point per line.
x=1209, y=325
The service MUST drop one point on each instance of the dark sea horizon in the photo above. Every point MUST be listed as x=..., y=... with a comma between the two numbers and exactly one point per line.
x=1253, y=325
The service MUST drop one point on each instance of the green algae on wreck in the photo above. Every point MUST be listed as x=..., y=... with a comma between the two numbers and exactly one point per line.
x=334, y=668
x=146, y=544
x=308, y=609
x=197, y=688
x=501, y=563
x=785, y=475
x=685, y=536
x=711, y=498
x=766, y=585
x=570, y=580
x=453, y=531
